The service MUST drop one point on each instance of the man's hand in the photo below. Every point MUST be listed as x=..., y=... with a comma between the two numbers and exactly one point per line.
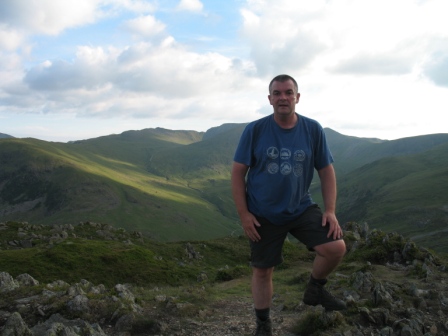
x=329, y=218
x=328, y=184
x=250, y=224
x=248, y=220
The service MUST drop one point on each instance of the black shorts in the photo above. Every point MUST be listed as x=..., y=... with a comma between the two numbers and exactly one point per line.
x=308, y=229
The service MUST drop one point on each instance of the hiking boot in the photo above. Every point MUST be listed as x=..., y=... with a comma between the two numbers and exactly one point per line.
x=264, y=328
x=315, y=294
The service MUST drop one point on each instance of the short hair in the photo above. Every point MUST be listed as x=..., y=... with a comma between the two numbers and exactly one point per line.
x=283, y=78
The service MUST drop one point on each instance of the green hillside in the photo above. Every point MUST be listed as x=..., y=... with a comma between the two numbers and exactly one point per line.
x=101, y=253
x=352, y=152
x=204, y=166
x=406, y=194
x=175, y=185
x=107, y=180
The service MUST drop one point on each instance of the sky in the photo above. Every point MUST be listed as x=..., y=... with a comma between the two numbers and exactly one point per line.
x=80, y=69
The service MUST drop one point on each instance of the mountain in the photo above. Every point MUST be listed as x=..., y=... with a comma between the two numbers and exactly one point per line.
x=352, y=152
x=4, y=136
x=109, y=179
x=175, y=185
x=404, y=193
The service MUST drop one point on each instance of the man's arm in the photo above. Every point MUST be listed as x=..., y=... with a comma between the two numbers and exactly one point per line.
x=329, y=193
x=248, y=220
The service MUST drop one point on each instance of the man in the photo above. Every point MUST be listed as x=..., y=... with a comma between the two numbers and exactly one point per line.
x=279, y=153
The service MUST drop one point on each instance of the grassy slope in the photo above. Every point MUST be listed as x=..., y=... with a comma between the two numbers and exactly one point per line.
x=351, y=152
x=106, y=180
x=121, y=257
x=175, y=186
x=205, y=167
x=405, y=194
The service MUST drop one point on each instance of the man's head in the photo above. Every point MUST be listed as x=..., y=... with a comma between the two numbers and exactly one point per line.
x=283, y=96
x=282, y=79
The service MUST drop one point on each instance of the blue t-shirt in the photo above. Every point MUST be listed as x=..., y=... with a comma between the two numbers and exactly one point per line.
x=281, y=166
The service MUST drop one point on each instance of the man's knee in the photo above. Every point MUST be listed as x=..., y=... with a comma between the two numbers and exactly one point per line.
x=262, y=273
x=333, y=250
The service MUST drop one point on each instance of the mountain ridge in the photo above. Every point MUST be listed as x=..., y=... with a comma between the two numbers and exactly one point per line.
x=5, y=136
x=175, y=185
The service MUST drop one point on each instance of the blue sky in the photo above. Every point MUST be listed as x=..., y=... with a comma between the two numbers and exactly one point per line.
x=78, y=69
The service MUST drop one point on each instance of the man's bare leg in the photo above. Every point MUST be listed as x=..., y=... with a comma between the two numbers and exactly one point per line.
x=328, y=257
x=262, y=287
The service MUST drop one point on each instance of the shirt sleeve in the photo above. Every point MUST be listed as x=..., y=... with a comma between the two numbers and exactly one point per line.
x=244, y=150
x=322, y=153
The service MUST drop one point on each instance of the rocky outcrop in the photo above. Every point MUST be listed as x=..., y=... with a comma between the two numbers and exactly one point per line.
x=392, y=288
x=410, y=297
x=30, y=235
x=41, y=313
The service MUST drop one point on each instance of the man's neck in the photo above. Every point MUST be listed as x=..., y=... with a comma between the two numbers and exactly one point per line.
x=286, y=121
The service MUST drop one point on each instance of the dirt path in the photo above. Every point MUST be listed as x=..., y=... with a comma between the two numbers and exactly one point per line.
x=225, y=318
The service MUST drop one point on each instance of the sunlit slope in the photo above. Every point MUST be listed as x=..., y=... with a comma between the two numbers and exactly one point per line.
x=138, y=147
x=105, y=180
x=175, y=185
x=204, y=166
x=199, y=160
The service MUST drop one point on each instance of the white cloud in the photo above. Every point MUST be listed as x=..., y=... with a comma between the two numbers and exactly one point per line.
x=387, y=64
x=362, y=66
x=358, y=63
x=90, y=70
x=172, y=71
x=137, y=6
x=47, y=16
x=190, y=5
x=53, y=17
x=279, y=46
x=10, y=39
x=346, y=36
x=145, y=26
x=142, y=81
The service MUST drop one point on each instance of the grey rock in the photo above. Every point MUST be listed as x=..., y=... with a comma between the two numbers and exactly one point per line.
x=15, y=326
x=7, y=282
x=124, y=292
x=362, y=281
x=57, y=325
x=79, y=303
x=26, y=280
x=125, y=322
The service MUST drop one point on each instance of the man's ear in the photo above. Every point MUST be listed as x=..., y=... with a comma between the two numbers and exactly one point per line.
x=269, y=97
x=297, y=98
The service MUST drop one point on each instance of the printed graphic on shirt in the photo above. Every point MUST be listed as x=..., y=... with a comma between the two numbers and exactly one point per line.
x=289, y=163
x=298, y=169
x=299, y=155
x=272, y=167
x=285, y=168
x=272, y=153
x=285, y=154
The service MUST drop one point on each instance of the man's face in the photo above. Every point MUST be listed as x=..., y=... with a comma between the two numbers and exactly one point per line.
x=283, y=97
